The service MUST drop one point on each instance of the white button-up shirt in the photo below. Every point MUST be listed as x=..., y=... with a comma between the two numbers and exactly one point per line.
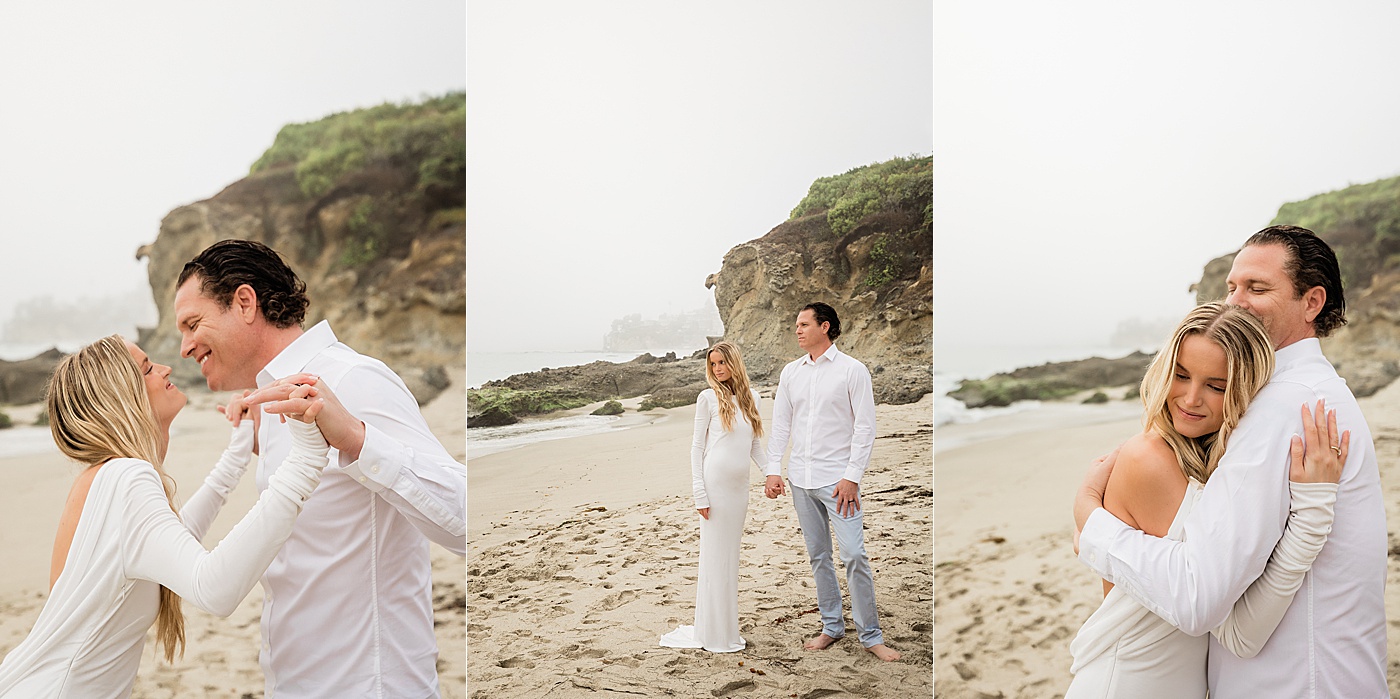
x=348, y=605
x=1332, y=641
x=828, y=409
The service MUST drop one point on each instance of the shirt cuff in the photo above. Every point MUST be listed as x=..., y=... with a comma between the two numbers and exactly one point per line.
x=1100, y=529
x=853, y=474
x=380, y=460
x=774, y=468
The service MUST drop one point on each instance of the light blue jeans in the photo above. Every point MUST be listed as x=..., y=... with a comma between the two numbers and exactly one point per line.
x=816, y=512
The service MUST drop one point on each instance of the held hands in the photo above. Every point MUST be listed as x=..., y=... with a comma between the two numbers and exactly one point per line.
x=306, y=398
x=236, y=411
x=1322, y=459
x=773, y=487
x=1090, y=495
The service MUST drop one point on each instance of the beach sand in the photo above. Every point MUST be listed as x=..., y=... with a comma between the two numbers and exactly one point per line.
x=221, y=655
x=583, y=552
x=1010, y=594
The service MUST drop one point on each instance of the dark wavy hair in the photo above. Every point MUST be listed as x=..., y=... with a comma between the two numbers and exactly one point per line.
x=1310, y=263
x=229, y=264
x=825, y=314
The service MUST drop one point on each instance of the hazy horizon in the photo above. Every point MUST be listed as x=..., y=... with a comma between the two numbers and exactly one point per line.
x=110, y=119
x=1092, y=158
x=617, y=151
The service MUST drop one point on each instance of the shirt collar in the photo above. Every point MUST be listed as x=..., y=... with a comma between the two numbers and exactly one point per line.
x=830, y=355
x=1300, y=350
x=294, y=357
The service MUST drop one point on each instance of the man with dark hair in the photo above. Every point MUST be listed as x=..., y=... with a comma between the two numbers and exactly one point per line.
x=826, y=405
x=348, y=609
x=1332, y=640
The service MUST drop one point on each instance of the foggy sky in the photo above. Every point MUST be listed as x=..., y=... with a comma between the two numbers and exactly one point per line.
x=113, y=114
x=1091, y=157
x=616, y=151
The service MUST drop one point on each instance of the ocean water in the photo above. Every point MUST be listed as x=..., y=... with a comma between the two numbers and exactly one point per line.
x=26, y=440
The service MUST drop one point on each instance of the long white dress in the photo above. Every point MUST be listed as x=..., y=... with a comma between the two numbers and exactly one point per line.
x=719, y=467
x=1124, y=650
x=87, y=641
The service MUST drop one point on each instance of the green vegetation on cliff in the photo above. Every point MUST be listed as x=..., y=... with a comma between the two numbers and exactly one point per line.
x=428, y=137
x=1361, y=222
x=901, y=183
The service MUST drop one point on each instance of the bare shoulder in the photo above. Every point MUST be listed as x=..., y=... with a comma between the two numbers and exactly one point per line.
x=1146, y=486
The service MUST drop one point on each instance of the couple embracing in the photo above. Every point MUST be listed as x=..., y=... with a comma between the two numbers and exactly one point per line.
x=353, y=487
x=826, y=408
x=1243, y=532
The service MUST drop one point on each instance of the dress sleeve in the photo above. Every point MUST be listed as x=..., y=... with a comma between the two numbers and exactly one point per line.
x=401, y=460
x=697, y=451
x=157, y=546
x=1255, y=616
x=206, y=502
x=756, y=449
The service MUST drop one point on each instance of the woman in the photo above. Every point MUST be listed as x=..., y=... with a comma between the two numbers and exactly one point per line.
x=1194, y=394
x=727, y=430
x=123, y=559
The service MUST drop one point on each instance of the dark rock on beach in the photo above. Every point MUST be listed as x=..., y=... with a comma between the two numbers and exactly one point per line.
x=1052, y=381
x=611, y=407
x=26, y=380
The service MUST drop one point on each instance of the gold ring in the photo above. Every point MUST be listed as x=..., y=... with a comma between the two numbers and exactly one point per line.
x=1337, y=449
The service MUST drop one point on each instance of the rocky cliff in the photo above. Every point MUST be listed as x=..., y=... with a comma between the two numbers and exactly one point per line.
x=368, y=208
x=1362, y=224
x=861, y=242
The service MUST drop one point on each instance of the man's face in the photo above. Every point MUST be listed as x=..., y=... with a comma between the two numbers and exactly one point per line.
x=810, y=334
x=215, y=337
x=1259, y=284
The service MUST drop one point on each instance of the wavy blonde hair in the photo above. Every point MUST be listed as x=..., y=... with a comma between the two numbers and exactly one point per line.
x=736, y=387
x=98, y=411
x=1249, y=362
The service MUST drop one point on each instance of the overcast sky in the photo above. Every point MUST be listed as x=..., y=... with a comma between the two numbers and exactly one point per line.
x=113, y=114
x=617, y=150
x=1091, y=157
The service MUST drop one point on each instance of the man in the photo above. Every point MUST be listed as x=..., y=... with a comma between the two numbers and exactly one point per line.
x=1332, y=640
x=825, y=402
x=348, y=606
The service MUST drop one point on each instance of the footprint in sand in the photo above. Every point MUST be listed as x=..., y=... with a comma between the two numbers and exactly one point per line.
x=517, y=661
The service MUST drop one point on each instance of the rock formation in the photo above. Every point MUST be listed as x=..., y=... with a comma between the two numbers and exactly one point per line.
x=379, y=240
x=26, y=380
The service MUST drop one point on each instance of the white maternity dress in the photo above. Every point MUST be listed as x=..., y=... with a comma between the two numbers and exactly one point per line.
x=719, y=463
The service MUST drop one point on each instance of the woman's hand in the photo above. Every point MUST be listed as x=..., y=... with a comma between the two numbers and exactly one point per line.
x=1322, y=459
x=237, y=408
x=704, y=512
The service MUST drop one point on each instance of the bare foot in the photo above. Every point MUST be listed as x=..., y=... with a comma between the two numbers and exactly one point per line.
x=821, y=642
x=884, y=652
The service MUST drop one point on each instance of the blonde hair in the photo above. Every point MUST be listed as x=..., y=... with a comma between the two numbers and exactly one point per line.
x=737, y=387
x=98, y=411
x=1249, y=362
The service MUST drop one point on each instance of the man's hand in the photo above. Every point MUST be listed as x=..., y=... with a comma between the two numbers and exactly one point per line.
x=773, y=487
x=342, y=430
x=847, y=494
x=1090, y=495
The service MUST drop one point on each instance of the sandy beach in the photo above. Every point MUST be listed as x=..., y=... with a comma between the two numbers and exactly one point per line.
x=583, y=552
x=1010, y=595
x=221, y=655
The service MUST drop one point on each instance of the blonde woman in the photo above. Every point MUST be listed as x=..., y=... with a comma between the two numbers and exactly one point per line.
x=1194, y=394
x=727, y=432
x=124, y=558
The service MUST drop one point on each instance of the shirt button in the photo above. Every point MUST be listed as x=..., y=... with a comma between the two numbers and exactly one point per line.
x=374, y=469
x=362, y=479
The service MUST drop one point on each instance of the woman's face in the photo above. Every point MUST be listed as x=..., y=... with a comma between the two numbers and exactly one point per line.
x=719, y=367
x=166, y=400
x=1197, y=395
